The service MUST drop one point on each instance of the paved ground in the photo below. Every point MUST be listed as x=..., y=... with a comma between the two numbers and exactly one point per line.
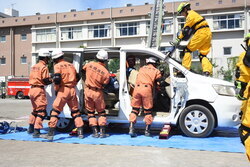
x=26, y=154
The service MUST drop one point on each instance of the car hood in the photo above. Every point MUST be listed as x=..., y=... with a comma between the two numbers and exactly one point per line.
x=201, y=87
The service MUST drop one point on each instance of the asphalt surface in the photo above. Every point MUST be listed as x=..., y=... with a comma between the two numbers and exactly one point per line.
x=42, y=154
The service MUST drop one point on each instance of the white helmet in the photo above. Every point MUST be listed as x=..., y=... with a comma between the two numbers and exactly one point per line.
x=57, y=53
x=44, y=53
x=153, y=60
x=102, y=55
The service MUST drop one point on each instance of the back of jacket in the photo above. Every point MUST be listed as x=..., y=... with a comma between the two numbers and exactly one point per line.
x=96, y=75
x=147, y=75
x=38, y=72
x=68, y=73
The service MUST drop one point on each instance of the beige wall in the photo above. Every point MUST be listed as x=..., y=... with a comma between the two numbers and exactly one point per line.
x=22, y=48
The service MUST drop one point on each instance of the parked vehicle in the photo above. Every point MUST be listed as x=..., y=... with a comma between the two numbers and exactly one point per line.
x=195, y=103
x=18, y=87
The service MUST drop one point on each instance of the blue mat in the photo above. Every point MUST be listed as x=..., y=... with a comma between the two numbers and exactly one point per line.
x=225, y=140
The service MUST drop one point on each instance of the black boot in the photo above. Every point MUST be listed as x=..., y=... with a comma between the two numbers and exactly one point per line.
x=95, y=132
x=36, y=133
x=50, y=134
x=103, y=133
x=147, y=131
x=207, y=74
x=132, y=130
x=30, y=129
x=80, y=132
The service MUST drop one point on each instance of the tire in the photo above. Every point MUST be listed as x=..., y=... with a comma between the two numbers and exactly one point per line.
x=65, y=125
x=20, y=95
x=196, y=121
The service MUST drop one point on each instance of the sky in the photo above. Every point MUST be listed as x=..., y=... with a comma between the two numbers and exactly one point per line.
x=30, y=7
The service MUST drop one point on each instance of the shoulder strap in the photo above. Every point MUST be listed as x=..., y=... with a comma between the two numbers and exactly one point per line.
x=246, y=59
x=193, y=27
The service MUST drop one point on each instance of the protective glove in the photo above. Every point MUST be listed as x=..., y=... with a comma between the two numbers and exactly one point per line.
x=176, y=42
x=239, y=90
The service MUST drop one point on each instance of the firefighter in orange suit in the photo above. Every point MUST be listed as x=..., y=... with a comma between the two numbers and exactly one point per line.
x=65, y=79
x=242, y=84
x=197, y=26
x=97, y=76
x=143, y=94
x=39, y=77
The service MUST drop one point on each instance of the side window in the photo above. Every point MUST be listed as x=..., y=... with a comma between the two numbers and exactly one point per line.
x=114, y=65
x=178, y=73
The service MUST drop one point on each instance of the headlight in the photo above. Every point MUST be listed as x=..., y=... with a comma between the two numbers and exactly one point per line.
x=224, y=90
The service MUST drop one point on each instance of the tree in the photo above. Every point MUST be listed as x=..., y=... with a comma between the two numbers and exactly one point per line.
x=113, y=65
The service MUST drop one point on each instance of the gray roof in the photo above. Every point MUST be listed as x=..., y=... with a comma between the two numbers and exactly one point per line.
x=2, y=15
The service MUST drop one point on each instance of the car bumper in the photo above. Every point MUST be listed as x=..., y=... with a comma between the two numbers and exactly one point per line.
x=227, y=109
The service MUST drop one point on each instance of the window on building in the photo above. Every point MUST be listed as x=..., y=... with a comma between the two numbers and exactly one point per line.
x=128, y=29
x=167, y=23
x=23, y=60
x=181, y=23
x=23, y=37
x=227, y=21
x=3, y=38
x=2, y=60
x=167, y=26
x=98, y=31
x=46, y=35
x=70, y=33
x=227, y=50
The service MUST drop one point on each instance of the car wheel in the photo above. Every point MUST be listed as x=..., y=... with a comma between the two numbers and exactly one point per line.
x=65, y=125
x=196, y=121
x=19, y=95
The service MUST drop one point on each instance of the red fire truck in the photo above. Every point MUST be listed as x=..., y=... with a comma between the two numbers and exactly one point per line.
x=18, y=87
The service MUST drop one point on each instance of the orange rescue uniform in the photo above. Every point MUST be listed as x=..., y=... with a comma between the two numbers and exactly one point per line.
x=37, y=93
x=143, y=93
x=66, y=93
x=96, y=76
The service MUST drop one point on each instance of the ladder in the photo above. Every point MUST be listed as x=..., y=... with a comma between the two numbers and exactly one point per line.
x=155, y=30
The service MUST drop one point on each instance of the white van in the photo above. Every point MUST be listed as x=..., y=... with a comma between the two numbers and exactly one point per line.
x=195, y=103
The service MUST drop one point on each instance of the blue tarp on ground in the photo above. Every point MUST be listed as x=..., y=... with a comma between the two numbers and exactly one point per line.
x=223, y=140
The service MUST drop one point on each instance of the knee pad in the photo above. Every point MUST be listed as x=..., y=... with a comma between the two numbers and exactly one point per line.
x=42, y=111
x=91, y=114
x=187, y=50
x=34, y=113
x=201, y=56
x=75, y=112
x=102, y=114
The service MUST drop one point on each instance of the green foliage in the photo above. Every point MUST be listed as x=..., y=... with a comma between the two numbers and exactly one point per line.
x=196, y=67
x=113, y=65
x=229, y=72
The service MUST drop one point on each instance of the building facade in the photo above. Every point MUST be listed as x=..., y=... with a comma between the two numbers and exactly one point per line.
x=22, y=37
